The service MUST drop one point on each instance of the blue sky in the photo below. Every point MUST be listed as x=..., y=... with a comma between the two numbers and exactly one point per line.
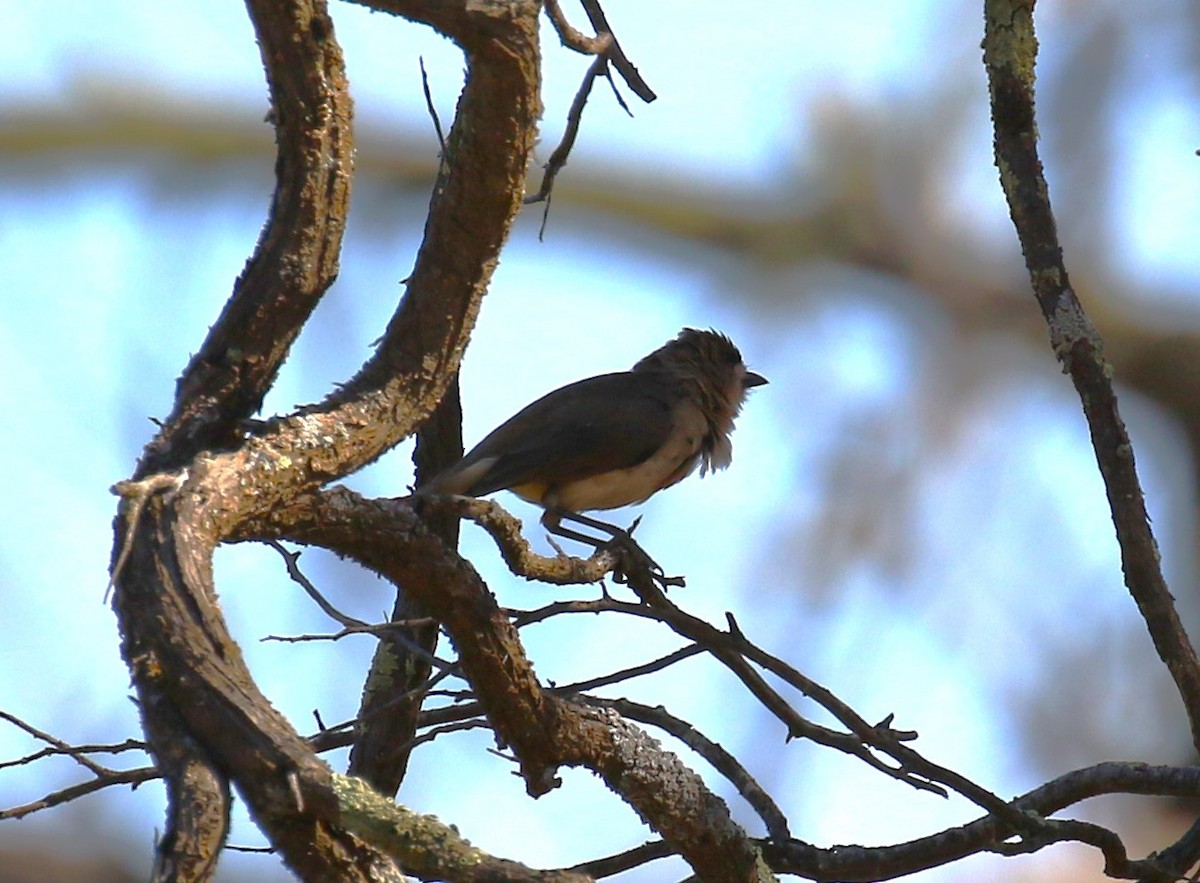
x=112, y=271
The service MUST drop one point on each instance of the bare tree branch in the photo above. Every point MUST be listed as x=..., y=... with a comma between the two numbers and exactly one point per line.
x=1010, y=51
x=732, y=649
x=857, y=863
x=102, y=776
x=616, y=54
x=427, y=847
x=133, y=777
x=297, y=255
x=606, y=49
x=209, y=727
x=722, y=761
x=543, y=731
x=625, y=861
x=292, y=561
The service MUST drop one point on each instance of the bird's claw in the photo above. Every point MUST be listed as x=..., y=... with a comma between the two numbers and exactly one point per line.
x=632, y=559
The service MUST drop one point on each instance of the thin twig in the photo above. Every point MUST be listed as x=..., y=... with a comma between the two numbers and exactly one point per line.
x=475, y=723
x=626, y=674
x=378, y=629
x=616, y=54
x=61, y=748
x=433, y=115
x=343, y=734
x=573, y=38
x=624, y=861
x=132, y=777
x=103, y=776
x=606, y=49
x=558, y=159
x=298, y=577
x=617, y=93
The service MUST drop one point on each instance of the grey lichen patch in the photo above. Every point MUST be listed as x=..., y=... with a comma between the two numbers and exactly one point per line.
x=383, y=668
x=414, y=840
x=1069, y=325
x=1011, y=41
x=1048, y=278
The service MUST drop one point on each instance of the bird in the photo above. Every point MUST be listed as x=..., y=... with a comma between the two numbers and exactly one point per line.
x=615, y=439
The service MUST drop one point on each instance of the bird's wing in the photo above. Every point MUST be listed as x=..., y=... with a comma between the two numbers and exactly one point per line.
x=609, y=422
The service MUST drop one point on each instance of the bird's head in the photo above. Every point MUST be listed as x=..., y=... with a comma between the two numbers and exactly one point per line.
x=710, y=363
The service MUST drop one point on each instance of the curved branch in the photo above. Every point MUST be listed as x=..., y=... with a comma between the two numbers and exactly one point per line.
x=1010, y=51
x=429, y=848
x=175, y=640
x=297, y=255
x=505, y=531
x=543, y=730
x=858, y=863
x=476, y=197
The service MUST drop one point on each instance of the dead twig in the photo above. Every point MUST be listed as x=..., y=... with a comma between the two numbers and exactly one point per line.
x=607, y=51
x=624, y=861
x=378, y=629
x=298, y=577
x=558, y=159
x=616, y=54
x=132, y=777
x=433, y=115
x=103, y=777
x=138, y=493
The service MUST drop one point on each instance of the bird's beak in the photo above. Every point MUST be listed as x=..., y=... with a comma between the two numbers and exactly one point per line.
x=750, y=379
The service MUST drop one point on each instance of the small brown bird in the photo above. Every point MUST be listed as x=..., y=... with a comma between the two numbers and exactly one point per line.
x=615, y=439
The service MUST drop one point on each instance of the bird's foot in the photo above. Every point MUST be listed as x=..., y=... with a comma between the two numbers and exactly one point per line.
x=633, y=560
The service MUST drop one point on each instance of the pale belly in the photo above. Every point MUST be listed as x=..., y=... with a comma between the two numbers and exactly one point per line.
x=623, y=487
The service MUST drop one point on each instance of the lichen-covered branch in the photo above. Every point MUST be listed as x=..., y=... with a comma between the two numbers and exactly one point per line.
x=427, y=847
